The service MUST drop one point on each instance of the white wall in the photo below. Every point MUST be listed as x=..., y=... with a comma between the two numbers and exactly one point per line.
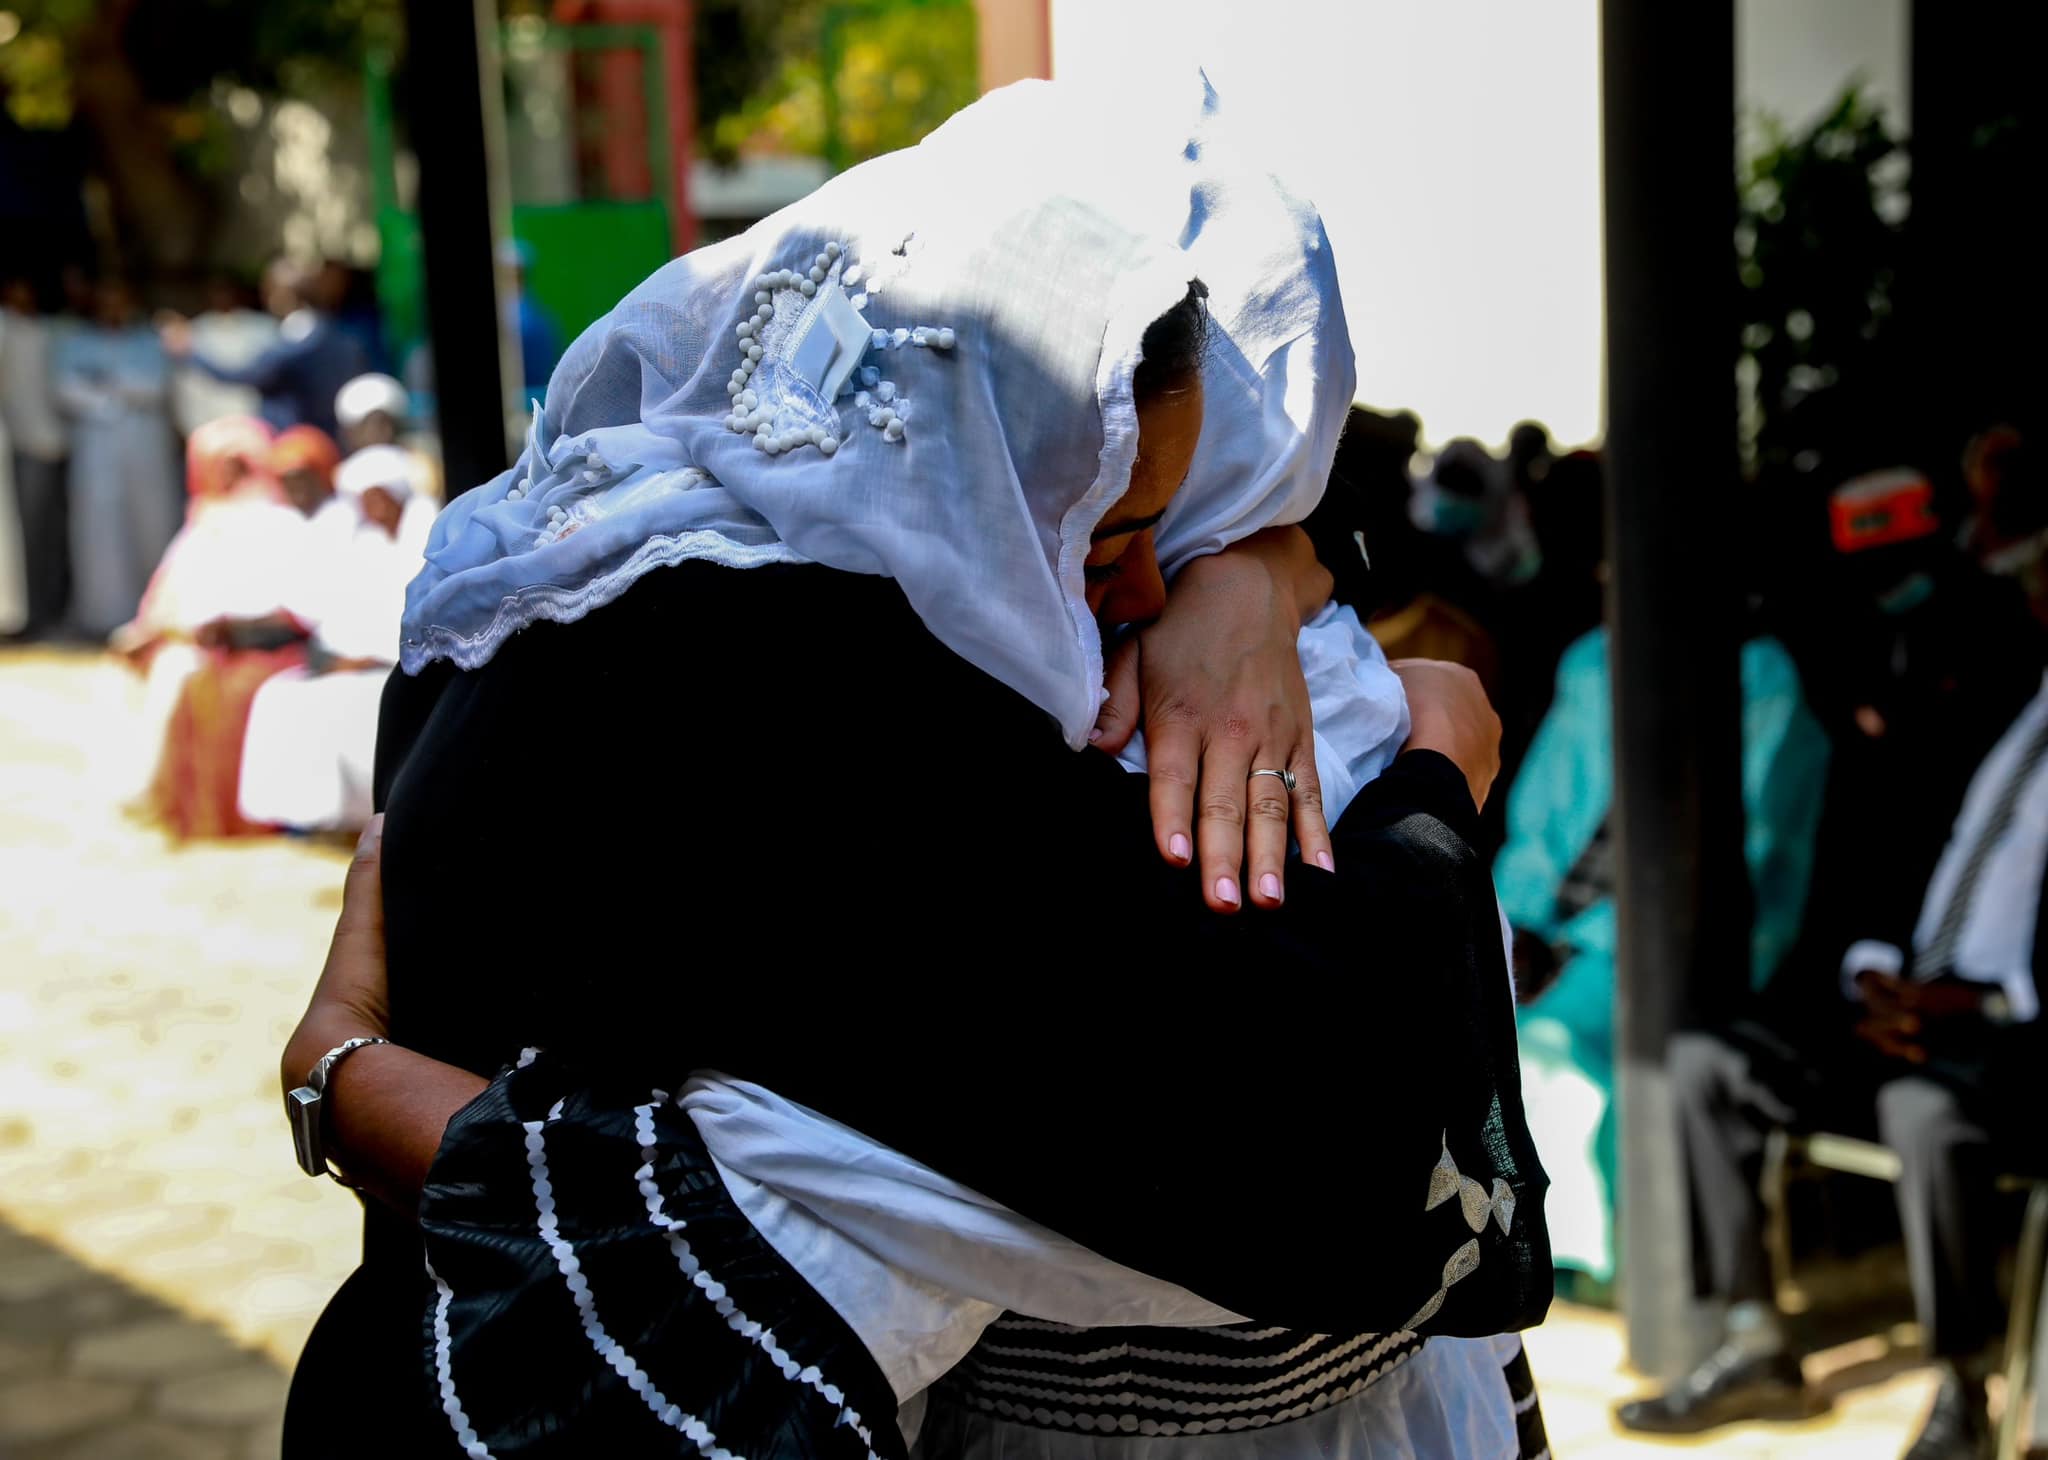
x=1453, y=147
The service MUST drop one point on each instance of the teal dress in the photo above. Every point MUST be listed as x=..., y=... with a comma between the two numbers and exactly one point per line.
x=1558, y=803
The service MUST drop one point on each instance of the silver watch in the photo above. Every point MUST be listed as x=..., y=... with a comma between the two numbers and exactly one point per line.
x=302, y=1108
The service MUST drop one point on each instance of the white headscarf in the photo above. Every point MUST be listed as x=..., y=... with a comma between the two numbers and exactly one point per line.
x=990, y=308
x=1028, y=249
x=1278, y=379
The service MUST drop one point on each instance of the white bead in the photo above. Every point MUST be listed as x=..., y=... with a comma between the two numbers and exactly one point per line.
x=832, y=249
x=753, y=352
x=893, y=431
x=766, y=428
x=919, y=335
x=945, y=339
x=869, y=374
x=886, y=391
x=829, y=445
x=898, y=336
x=514, y=495
x=745, y=329
x=760, y=443
x=875, y=417
x=879, y=339
x=817, y=276
x=749, y=399
x=852, y=275
x=762, y=296
x=822, y=263
x=765, y=313
x=808, y=287
x=732, y=387
x=859, y=301
x=816, y=435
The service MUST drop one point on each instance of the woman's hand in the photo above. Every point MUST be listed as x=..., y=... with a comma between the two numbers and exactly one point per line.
x=385, y=1107
x=1448, y=712
x=1217, y=686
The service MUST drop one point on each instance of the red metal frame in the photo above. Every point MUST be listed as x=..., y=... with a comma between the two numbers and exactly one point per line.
x=626, y=156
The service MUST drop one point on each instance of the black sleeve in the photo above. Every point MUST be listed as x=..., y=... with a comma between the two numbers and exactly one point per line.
x=1311, y=1116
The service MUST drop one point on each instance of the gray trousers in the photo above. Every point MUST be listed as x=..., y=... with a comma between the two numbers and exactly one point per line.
x=1732, y=1087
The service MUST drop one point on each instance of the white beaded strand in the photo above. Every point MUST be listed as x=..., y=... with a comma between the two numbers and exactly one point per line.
x=722, y=1300
x=607, y=1348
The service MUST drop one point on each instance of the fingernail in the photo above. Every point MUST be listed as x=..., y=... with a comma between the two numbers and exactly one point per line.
x=1270, y=886
x=1095, y=735
x=373, y=832
x=1323, y=861
x=1177, y=846
x=1226, y=891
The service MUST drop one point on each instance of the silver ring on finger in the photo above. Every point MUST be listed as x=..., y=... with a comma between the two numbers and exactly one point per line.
x=1286, y=778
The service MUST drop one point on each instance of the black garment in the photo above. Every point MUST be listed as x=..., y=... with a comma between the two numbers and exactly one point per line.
x=1949, y=1124
x=40, y=496
x=764, y=822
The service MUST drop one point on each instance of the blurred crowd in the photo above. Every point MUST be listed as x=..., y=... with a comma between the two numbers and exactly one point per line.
x=233, y=503
x=1894, y=722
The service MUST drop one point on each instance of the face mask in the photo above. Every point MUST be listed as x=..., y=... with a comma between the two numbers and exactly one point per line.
x=1906, y=595
x=1456, y=516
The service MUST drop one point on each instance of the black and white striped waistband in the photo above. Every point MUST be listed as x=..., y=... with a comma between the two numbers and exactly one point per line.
x=1166, y=1381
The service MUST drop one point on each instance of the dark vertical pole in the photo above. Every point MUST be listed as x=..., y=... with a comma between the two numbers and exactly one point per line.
x=452, y=98
x=1668, y=129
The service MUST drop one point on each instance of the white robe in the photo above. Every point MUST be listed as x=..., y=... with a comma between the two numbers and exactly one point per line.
x=311, y=744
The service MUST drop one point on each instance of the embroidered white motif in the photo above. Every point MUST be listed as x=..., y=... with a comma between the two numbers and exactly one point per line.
x=1475, y=1205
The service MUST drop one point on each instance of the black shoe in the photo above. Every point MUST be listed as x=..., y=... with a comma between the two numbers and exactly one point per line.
x=1730, y=1385
x=1959, y=1425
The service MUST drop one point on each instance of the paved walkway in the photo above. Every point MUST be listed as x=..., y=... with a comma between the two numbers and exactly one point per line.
x=161, y=1259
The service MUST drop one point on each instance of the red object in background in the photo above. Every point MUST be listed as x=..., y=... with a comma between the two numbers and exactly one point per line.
x=1881, y=508
x=626, y=154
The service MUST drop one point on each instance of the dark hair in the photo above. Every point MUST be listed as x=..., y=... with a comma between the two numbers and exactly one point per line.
x=1170, y=355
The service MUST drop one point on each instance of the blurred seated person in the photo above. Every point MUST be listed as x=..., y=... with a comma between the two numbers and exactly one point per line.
x=296, y=377
x=375, y=410
x=1935, y=1052
x=1555, y=877
x=1406, y=583
x=1475, y=500
x=216, y=622
x=312, y=732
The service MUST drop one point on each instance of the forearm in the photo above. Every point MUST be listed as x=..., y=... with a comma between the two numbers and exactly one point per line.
x=386, y=1107
x=1288, y=554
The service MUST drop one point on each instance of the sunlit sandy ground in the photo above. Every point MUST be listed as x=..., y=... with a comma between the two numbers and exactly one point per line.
x=161, y=1259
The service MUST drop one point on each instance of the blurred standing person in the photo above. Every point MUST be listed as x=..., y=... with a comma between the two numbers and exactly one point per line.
x=232, y=332
x=113, y=381
x=297, y=377
x=540, y=342
x=13, y=574
x=38, y=442
x=349, y=296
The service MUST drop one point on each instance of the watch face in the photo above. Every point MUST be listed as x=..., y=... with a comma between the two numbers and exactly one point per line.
x=302, y=1112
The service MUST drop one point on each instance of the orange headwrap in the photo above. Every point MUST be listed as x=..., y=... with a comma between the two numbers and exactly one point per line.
x=305, y=448
x=221, y=454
